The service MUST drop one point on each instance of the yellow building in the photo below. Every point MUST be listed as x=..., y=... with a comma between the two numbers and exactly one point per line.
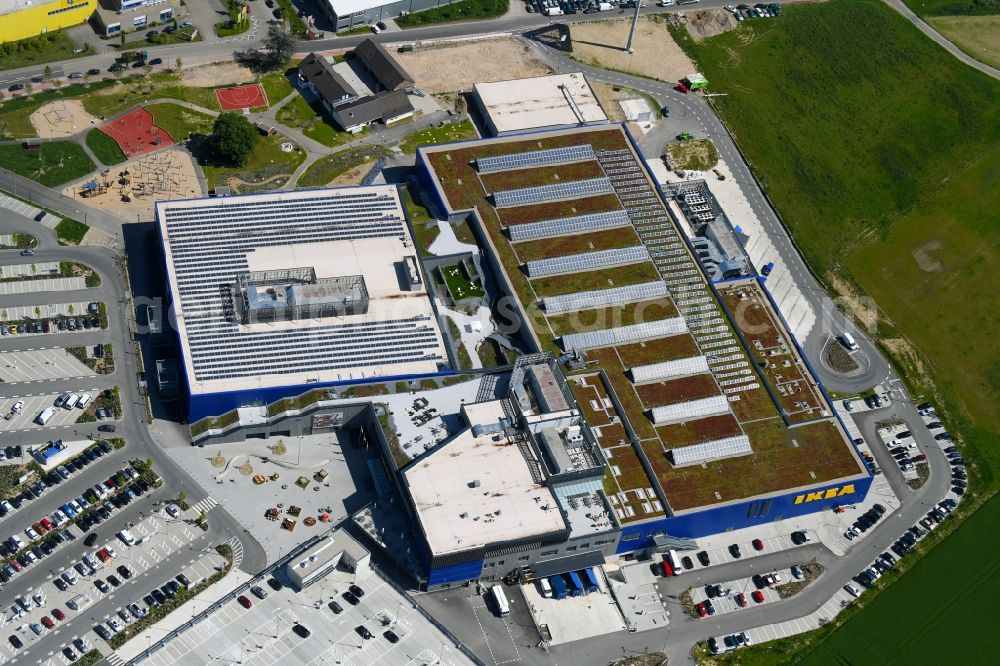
x=20, y=19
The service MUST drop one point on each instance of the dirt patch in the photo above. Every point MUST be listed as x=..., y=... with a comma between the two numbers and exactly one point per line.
x=240, y=186
x=217, y=74
x=810, y=572
x=61, y=118
x=353, y=176
x=448, y=68
x=860, y=308
x=647, y=659
x=923, y=473
x=923, y=257
x=161, y=176
x=695, y=155
x=838, y=358
x=904, y=351
x=656, y=54
x=707, y=23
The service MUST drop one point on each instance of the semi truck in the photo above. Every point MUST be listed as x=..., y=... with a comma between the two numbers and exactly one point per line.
x=558, y=586
x=575, y=584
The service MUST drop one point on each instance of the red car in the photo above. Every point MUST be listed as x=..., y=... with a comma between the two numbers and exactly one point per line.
x=47, y=621
x=741, y=599
x=702, y=612
x=758, y=596
x=58, y=614
x=104, y=556
x=47, y=524
x=758, y=544
x=244, y=601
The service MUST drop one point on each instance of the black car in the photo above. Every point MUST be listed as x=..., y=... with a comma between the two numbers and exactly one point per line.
x=924, y=405
x=69, y=654
x=350, y=598
x=47, y=548
x=113, y=579
x=159, y=596
x=356, y=591
x=169, y=590
x=60, y=583
x=16, y=87
x=150, y=601
x=275, y=584
x=703, y=558
x=301, y=631
x=102, y=586
x=363, y=631
x=104, y=446
x=958, y=491
x=93, y=72
x=688, y=564
x=799, y=537
x=183, y=580
x=943, y=437
x=391, y=636
x=102, y=631
x=335, y=607
x=16, y=642
x=734, y=550
x=958, y=462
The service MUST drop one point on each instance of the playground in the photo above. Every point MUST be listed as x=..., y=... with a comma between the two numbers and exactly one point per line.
x=136, y=134
x=237, y=98
x=130, y=190
x=61, y=118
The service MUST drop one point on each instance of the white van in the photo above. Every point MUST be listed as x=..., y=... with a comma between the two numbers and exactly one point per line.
x=848, y=341
x=71, y=401
x=79, y=602
x=546, y=587
x=127, y=538
x=84, y=400
x=554, y=11
x=44, y=417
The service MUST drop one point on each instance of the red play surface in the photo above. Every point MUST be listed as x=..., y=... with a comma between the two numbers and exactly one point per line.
x=136, y=134
x=241, y=97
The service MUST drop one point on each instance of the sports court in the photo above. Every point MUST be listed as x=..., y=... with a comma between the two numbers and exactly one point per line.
x=136, y=133
x=241, y=97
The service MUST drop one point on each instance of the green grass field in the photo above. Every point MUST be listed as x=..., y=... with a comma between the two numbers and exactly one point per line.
x=882, y=154
x=432, y=135
x=276, y=86
x=954, y=7
x=934, y=618
x=978, y=36
x=105, y=148
x=468, y=10
x=55, y=163
x=459, y=284
x=886, y=147
x=326, y=169
x=268, y=169
x=71, y=232
x=180, y=122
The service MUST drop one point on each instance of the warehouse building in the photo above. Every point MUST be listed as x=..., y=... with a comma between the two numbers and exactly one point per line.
x=349, y=14
x=540, y=103
x=114, y=17
x=263, y=312
x=20, y=19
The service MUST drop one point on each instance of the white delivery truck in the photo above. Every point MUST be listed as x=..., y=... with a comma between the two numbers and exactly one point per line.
x=554, y=11
x=605, y=6
x=500, y=600
x=675, y=562
x=44, y=417
x=848, y=341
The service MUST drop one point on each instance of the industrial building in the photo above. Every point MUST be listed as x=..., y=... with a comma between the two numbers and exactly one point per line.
x=349, y=14
x=262, y=311
x=20, y=19
x=114, y=17
x=335, y=552
x=543, y=102
x=703, y=422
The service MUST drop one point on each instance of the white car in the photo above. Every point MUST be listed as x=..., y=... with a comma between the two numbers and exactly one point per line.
x=32, y=534
x=851, y=590
x=173, y=510
x=664, y=3
x=18, y=406
x=114, y=625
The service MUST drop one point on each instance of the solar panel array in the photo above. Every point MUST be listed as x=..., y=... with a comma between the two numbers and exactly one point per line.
x=677, y=368
x=565, y=226
x=535, y=158
x=572, y=189
x=717, y=449
x=625, y=334
x=587, y=261
x=209, y=245
x=585, y=300
x=692, y=409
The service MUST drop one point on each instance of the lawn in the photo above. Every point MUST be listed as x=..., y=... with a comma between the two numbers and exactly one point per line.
x=425, y=228
x=606, y=278
x=612, y=316
x=15, y=113
x=468, y=10
x=180, y=122
x=321, y=130
x=886, y=168
x=936, y=600
x=296, y=113
x=39, y=50
x=269, y=168
x=559, y=246
x=460, y=284
x=954, y=7
x=979, y=36
x=544, y=175
x=136, y=90
x=105, y=148
x=71, y=232
x=444, y=134
x=326, y=169
x=601, y=203
x=276, y=85
x=55, y=163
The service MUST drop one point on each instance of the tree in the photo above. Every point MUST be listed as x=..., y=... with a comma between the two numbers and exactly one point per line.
x=233, y=139
x=47, y=71
x=182, y=497
x=280, y=45
x=178, y=62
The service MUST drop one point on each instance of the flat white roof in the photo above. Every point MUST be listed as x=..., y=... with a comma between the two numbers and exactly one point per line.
x=475, y=491
x=542, y=101
x=336, y=232
x=347, y=7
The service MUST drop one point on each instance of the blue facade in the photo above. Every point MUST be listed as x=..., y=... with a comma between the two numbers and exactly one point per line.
x=456, y=573
x=742, y=514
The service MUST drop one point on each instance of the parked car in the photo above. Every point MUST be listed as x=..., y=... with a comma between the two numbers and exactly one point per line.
x=704, y=558
x=246, y=603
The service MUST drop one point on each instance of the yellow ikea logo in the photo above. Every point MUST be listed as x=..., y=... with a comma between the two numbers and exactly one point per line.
x=826, y=494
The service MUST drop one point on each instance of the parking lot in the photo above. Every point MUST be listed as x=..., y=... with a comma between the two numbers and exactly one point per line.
x=167, y=547
x=44, y=310
x=262, y=634
x=727, y=602
x=39, y=365
x=33, y=406
x=37, y=269
x=44, y=284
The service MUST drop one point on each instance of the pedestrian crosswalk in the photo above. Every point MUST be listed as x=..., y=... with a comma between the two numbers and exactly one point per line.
x=115, y=660
x=205, y=505
x=237, y=547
